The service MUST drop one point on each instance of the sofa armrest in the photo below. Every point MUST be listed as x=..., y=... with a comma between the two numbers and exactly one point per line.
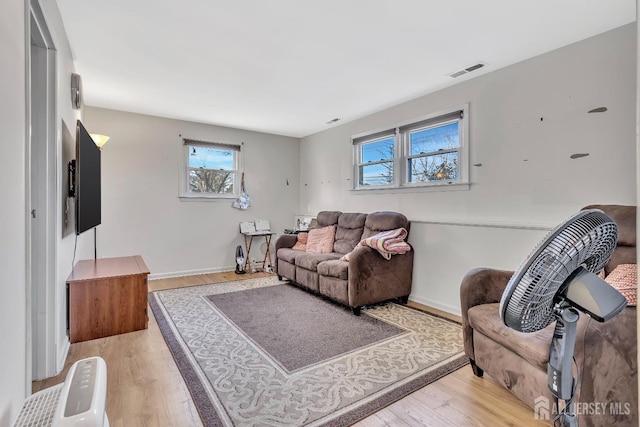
x=286, y=241
x=480, y=286
x=373, y=279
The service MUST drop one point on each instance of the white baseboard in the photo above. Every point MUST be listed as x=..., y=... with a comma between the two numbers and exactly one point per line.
x=62, y=356
x=436, y=304
x=425, y=301
x=173, y=274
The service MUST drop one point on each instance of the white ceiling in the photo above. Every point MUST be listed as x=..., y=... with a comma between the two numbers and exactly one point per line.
x=289, y=66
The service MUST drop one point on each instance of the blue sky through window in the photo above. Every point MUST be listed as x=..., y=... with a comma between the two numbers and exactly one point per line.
x=434, y=139
x=378, y=150
x=210, y=158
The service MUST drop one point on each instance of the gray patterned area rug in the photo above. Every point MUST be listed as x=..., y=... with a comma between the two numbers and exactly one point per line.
x=260, y=352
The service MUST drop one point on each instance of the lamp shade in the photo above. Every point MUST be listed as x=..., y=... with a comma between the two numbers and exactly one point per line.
x=99, y=140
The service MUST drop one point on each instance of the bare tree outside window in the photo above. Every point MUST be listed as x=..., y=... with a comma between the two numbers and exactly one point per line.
x=387, y=174
x=211, y=181
x=434, y=168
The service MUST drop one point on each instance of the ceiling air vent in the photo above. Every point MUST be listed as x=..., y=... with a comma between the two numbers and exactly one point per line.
x=467, y=70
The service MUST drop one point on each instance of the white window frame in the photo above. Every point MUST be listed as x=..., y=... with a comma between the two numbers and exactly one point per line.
x=359, y=162
x=186, y=194
x=403, y=153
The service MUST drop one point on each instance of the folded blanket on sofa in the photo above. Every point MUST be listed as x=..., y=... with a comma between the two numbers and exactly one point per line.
x=388, y=242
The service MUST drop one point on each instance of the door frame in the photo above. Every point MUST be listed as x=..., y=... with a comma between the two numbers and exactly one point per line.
x=42, y=304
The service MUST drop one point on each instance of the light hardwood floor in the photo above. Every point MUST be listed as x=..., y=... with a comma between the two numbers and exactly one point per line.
x=145, y=387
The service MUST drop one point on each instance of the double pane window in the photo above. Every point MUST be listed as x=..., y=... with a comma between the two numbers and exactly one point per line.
x=427, y=152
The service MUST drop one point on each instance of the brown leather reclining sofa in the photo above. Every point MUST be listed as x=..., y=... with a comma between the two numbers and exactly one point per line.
x=606, y=353
x=367, y=278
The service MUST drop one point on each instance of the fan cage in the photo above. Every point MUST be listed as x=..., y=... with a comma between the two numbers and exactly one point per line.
x=586, y=239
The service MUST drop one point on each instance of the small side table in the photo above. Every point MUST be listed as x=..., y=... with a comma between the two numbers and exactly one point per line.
x=248, y=241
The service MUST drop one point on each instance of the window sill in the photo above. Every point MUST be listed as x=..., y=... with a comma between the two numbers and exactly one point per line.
x=458, y=186
x=198, y=198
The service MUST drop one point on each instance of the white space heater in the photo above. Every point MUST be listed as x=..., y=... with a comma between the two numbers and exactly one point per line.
x=78, y=402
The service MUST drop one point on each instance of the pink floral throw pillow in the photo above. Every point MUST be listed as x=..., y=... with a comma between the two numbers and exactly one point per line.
x=301, y=244
x=320, y=240
x=625, y=279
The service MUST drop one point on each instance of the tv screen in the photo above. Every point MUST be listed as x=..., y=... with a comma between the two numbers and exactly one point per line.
x=87, y=174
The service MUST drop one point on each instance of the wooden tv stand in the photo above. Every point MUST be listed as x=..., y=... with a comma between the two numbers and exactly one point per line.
x=107, y=296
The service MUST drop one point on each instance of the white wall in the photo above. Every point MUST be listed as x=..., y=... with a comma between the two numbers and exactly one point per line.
x=141, y=211
x=12, y=215
x=525, y=122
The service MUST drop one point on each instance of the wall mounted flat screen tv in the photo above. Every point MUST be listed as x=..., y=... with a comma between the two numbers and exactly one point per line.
x=87, y=181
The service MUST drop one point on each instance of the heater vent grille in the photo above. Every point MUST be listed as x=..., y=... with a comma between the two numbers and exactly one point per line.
x=39, y=408
x=78, y=402
x=467, y=70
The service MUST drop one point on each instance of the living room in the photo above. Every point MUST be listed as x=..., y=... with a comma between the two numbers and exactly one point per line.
x=527, y=122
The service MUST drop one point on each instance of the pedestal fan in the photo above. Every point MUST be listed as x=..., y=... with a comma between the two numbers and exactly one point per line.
x=557, y=281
